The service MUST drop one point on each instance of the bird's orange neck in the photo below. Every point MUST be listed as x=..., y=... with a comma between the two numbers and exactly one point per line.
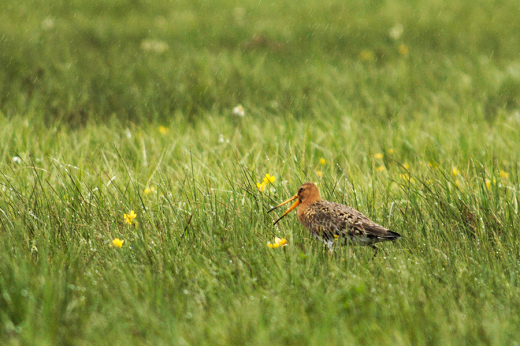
x=308, y=201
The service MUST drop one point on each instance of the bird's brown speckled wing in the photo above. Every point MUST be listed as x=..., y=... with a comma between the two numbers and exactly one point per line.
x=325, y=220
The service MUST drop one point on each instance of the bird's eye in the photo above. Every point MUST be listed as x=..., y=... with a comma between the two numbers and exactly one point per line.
x=300, y=190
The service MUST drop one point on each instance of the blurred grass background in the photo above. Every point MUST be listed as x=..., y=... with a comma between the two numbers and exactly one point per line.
x=144, y=60
x=112, y=106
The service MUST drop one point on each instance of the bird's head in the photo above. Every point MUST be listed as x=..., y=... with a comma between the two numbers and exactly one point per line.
x=307, y=193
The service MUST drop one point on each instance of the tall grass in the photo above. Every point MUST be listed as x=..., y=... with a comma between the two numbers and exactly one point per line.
x=96, y=123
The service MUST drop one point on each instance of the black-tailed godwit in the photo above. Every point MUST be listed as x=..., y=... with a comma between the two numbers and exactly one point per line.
x=334, y=223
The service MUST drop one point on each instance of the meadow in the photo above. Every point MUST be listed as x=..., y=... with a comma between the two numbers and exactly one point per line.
x=408, y=111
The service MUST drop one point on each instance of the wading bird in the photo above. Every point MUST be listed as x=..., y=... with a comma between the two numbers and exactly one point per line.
x=334, y=223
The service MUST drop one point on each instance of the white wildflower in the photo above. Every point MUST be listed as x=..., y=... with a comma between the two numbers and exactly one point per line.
x=396, y=31
x=154, y=46
x=239, y=110
x=48, y=23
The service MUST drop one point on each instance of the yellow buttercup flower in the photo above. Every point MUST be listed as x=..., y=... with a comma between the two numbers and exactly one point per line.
x=488, y=183
x=163, y=130
x=268, y=179
x=260, y=186
x=504, y=175
x=117, y=242
x=405, y=165
x=390, y=151
x=380, y=169
x=278, y=242
x=319, y=174
x=129, y=218
x=455, y=171
x=367, y=55
x=403, y=49
x=148, y=191
x=406, y=177
x=323, y=162
x=378, y=156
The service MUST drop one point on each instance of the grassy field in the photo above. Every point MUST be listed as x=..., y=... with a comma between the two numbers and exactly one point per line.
x=408, y=111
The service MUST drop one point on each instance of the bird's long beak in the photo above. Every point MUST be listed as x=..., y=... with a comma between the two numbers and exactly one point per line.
x=295, y=197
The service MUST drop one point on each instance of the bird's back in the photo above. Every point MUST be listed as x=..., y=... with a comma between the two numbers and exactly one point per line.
x=328, y=221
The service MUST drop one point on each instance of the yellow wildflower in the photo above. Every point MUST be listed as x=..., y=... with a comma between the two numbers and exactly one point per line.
x=378, y=156
x=380, y=168
x=457, y=182
x=406, y=177
x=277, y=243
x=391, y=151
x=367, y=55
x=281, y=242
x=163, y=130
x=129, y=218
x=403, y=49
x=269, y=178
x=117, y=242
x=148, y=191
x=405, y=165
x=455, y=171
x=336, y=237
x=319, y=174
x=488, y=183
x=504, y=175
x=260, y=186
x=323, y=162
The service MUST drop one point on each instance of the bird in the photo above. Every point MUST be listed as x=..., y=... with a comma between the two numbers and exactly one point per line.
x=334, y=223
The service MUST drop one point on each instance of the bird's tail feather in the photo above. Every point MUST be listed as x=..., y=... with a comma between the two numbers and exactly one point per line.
x=392, y=235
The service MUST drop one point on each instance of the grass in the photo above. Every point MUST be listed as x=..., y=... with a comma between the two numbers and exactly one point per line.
x=99, y=117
